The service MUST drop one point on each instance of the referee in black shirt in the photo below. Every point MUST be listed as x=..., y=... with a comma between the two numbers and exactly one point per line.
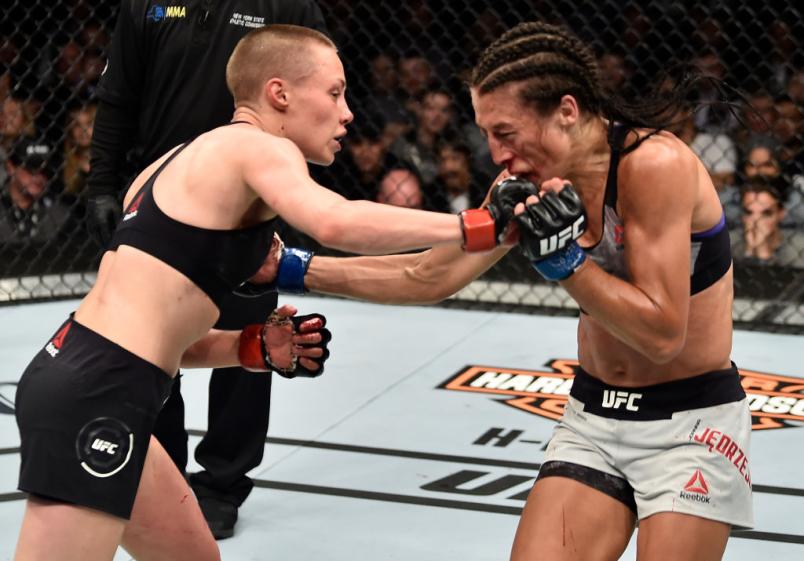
x=163, y=84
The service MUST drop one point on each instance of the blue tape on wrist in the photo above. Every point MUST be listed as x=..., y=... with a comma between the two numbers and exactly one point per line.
x=560, y=265
x=292, y=266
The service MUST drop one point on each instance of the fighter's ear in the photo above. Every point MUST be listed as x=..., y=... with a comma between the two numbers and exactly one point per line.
x=568, y=110
x=276, y=92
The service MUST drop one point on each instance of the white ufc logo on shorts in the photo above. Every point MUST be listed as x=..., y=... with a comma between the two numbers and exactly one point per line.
x=104, y=446
x=559, y=240
x=614, y=399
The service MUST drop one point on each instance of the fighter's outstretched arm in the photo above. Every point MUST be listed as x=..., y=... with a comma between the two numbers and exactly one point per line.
x=416, y=278
x=275, y=169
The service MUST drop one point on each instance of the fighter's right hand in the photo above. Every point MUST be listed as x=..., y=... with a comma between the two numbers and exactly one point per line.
x=287, y=344
x=486, y=228
x=549, y=226
x=103, y=214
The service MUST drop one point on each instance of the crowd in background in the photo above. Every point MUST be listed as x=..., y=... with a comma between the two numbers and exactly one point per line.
x=413, y=142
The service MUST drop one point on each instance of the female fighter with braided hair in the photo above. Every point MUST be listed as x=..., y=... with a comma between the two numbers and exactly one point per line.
x=657, y=425
x=198, y=224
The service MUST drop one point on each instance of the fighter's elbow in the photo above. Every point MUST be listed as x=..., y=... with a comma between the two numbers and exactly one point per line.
x=194, y=356
x=330, y=233
x=663, y=348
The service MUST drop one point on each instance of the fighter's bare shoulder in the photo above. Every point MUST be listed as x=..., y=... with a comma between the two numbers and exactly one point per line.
x=251, y=146
x=661, y=160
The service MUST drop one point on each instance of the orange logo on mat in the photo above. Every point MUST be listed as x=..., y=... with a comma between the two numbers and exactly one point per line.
x=775, y=401
x=697, y=484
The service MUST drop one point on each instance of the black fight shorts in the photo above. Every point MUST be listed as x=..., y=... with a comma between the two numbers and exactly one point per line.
x=85, y=409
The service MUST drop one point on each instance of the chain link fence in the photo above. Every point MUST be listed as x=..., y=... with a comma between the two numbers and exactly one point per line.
x=413, y=142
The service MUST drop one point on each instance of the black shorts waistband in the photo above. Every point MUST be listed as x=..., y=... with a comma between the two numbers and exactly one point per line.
x=658, y=401
x=79, y=348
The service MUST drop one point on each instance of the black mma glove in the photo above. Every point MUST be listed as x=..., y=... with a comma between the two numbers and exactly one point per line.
x=548, y=230
x=486, y=228
x=504, y=196
x=279, y=343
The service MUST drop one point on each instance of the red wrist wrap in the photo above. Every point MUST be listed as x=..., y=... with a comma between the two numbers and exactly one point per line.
x=478, y=230
x=250, y=351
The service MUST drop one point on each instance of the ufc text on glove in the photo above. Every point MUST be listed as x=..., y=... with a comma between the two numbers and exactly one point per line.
x=549, y=228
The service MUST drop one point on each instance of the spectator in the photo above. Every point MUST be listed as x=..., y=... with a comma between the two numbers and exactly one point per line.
x=358, y=173
x=716, y=150
x=709, y=29
x=785, y=47
x=416, y=150
x=795, y=87
x=94, y=36
x=28, y=210
x=615, y=72
x=789, y=131
x=6, y=84
x=9, y=56
x=401, y=187
x=384, y=99
x=762, y=240
x=762, y=160
x=718, y=154
x=484, y=29
x=16, y=121
x=77, y=141
x=759, y=118
x=715, y=115
x=455, y=188
x=415, y=78
x=92, y=64
x=68, y=64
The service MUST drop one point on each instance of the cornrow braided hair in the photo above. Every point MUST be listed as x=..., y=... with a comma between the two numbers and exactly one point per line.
x=550, y=56
x=549, y=62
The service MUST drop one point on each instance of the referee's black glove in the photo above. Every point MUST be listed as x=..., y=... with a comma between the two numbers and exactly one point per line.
x=103, y=214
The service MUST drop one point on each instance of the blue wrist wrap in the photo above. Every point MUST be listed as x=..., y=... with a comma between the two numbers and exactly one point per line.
x=292, y=266
x=561, y=264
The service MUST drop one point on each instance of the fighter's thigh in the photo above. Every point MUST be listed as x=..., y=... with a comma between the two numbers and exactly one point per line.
x=658, y=538
x=62, y=532
x=166, y=523
x=565, y=520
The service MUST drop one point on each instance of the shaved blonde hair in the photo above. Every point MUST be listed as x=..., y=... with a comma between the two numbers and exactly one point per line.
x=273, y=51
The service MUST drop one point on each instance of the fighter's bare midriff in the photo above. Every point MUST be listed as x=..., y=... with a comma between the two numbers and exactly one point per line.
x=156, y=325
x=707, y=346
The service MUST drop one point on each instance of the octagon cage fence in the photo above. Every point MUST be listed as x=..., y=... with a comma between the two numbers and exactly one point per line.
x=414, y=142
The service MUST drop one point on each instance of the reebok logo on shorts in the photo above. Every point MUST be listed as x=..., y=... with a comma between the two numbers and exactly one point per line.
x=54, y=345
x=696, y=488
x=131, y=211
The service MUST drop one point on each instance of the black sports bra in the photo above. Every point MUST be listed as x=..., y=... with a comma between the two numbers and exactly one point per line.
x=216, y=261
x=710, y=254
